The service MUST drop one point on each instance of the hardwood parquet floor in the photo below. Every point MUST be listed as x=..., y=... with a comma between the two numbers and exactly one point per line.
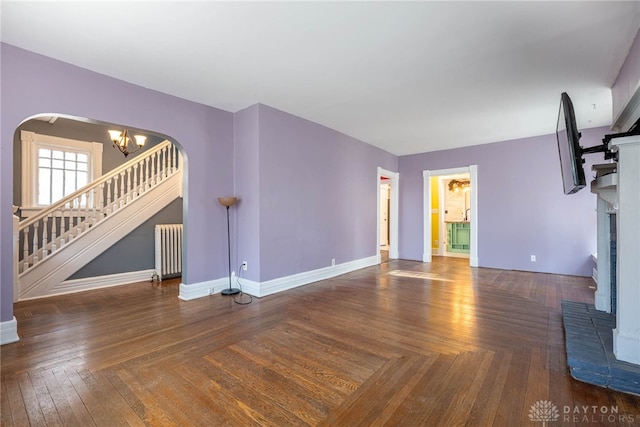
x=399, y=344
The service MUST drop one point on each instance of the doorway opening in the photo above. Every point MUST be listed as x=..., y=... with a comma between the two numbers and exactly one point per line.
x=387, y=215
x=450, y=213
x=43, y=141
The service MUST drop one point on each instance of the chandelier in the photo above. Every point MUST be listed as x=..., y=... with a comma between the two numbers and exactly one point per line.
x=121, y=141
x=458, y=185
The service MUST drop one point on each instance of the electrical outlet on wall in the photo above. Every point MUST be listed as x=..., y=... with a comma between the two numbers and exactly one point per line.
x=333, y=262
x=533, y=258
x=244, y=266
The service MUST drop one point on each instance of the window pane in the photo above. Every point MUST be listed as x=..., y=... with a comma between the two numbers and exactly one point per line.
x=44, y=163
x=82, y=179
x=83, y=157
x=82, y=166
x=69, y=182
x=69, y=155
x=57, y=154
x=44, y=186
x=70, y=166
x=43, y=152
x=57, y=185
x=57, y=164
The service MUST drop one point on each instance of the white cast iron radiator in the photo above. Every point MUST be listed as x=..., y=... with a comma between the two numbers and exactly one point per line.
x=168, y=252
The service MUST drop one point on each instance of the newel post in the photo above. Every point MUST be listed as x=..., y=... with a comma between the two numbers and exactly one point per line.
x=16, y=236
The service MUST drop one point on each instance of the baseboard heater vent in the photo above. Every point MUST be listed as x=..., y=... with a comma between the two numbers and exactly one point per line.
x=168, y=251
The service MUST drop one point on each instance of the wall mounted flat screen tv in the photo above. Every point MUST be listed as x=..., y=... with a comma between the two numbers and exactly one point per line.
x=573, y=178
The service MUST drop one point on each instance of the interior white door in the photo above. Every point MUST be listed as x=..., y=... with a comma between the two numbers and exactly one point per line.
x=384, y=215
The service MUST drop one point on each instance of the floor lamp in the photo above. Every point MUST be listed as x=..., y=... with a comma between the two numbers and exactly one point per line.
x=227, y=202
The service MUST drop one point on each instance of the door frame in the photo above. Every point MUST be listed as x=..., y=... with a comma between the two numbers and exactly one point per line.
x=394, y=178
x=472, y=170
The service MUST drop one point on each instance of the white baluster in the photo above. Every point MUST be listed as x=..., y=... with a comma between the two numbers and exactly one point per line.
x=63, y=226
x=35, y=243
x=121, y=189
x=165, y=162
x=94, y=209
x=45, y=240
x=174, y=163
x=160, y=171
x=54, y=226
x=71, y=225
x=25, y=249
x=135, y=180
x=87, y=218
x=79, y=222
x=154, y=177
x=129, y=185
x=108, y=205
x=100, y=202
x=140, y=166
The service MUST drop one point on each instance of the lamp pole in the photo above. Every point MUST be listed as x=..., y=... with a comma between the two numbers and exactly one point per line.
x=228, y=202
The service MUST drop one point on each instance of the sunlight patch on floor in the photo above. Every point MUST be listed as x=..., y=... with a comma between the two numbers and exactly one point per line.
x=418, y=275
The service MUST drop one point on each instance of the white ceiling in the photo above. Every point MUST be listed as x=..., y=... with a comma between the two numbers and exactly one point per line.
x=407, y=77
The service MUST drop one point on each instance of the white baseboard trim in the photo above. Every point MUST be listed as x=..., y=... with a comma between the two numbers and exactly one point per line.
x=97, y=282
x=261, y=289
x=9, y=331
x=289, y=282
x=202, y=289
x=247, y=286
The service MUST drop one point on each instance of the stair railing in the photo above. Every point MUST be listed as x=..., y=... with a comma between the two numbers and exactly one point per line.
x=41, y=235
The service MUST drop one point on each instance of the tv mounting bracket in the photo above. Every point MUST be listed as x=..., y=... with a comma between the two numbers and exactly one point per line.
x=604, y=147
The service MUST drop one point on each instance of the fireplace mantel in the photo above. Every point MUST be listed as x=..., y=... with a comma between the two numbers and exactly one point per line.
x=618, y=189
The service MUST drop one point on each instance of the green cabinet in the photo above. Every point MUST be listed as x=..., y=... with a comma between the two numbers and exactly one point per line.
x=458, y=237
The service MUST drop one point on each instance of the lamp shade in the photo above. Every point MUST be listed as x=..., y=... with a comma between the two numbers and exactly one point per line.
x=227, y=201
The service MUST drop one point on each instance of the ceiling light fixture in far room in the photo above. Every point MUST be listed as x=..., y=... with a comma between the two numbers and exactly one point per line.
x=459, y=185
x=121, y=141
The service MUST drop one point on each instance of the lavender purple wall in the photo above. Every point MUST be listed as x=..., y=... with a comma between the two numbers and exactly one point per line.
x=522, y=209
x=33, y=84
x=318, y=191
x=628, y=80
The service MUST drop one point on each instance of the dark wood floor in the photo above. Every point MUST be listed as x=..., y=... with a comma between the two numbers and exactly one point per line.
x=400, y=344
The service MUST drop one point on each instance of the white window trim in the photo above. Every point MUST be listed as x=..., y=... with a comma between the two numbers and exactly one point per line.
x=31, y=141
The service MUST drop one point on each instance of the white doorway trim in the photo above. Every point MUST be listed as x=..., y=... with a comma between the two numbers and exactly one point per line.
x=394, y=178
x=426, y=212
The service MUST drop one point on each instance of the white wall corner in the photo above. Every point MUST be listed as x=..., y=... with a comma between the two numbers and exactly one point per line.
x=261, y=289
x=9, y=331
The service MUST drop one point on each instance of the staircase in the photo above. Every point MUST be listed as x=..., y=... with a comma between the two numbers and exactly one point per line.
x=69, y=234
